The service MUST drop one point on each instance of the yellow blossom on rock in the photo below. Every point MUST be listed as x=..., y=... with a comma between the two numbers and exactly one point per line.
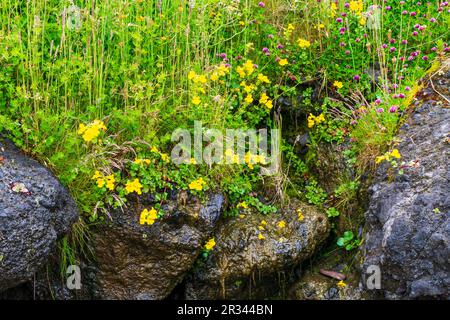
x=281, y=224
x=300, y=215
x=210, y=244
x=341, y=284
x=260, y=236
x=133, y=186
x=264, y=222
x=395, y=154
x=380, y=159
x=148, y=216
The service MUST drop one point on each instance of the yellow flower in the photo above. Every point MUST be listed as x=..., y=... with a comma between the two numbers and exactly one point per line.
x=141, y=161
x=92, y=130
x=192, y=161
x=154, y=149
x=249, y=88
x=263, y=99
x=81, y=129
x=263, y=78
x=263, y=222
x=300, y=215
x=260, y=236
x=248, y=67
x=196, y=100
x=214, y=77
x=148, y=217
x=201, y=79
x=242, y=204
x=303, y=44
x=269, y=104
x=362, y=21
x=395, y=154
x=197, y=184
x=249, y=98
x=261, y=228
x=240, y=71
x=281, y=224
x=100, y=182
x=210, y=244
x=96, y=175
x=222, y=70
x=191, y=75
x=110, y=180
x=320, y=26
x=133, y=186
x=283, y=62
x=338, y=84
x=341, y=284
x=380, y=159
x=165, y=157
x=313, y=120
x=356, y=6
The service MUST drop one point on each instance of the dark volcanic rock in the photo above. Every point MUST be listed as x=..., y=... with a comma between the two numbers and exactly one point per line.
x=136, y=261
x=408, y=221
x=35, y=210
x=243, y=266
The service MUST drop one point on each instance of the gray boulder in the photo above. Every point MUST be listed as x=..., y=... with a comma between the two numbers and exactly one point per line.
x=408, y=219
x=35, y=210
x=244, y=266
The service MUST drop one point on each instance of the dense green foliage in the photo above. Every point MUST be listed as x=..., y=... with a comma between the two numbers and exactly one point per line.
x=132, y=72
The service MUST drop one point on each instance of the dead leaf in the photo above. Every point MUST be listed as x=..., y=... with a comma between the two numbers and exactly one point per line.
x=333, y=274
x=20, y=188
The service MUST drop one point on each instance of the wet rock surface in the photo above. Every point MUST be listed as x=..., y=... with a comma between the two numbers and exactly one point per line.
x=244, y=266
x=321, y=282
x=408, y=221
x=35, y=210
x=134, y=261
